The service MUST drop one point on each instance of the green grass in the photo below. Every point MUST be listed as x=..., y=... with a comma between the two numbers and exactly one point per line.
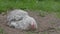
x=29, y=4
x=2, y=31
x=45, y=5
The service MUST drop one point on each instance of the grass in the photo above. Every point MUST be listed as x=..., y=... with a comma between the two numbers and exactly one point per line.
x=29, y=4
x=2, y=31
x=45, y=5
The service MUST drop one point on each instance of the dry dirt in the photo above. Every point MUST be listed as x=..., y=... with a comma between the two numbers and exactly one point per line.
x=46, y=25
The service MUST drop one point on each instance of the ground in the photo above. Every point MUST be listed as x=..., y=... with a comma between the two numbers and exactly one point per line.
x=47, y=24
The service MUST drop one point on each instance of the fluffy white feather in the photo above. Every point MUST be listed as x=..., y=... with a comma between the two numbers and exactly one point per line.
x=16, y=14
x=26, y=23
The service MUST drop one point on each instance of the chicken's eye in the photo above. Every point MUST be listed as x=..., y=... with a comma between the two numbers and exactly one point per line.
x=13, y=20
x=12, y=27
x=20, y=18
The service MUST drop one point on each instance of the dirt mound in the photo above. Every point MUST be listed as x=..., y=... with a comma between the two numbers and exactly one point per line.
x=48, y=24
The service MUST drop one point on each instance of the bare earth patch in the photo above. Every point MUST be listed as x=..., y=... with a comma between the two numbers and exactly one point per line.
x=46, y=25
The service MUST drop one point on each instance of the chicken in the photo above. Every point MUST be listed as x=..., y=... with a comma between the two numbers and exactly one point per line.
x=21, y=20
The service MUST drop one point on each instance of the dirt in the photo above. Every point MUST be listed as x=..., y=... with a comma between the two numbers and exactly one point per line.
x=46, y=25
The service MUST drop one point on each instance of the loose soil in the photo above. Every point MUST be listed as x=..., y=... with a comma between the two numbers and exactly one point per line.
x=48, y=24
